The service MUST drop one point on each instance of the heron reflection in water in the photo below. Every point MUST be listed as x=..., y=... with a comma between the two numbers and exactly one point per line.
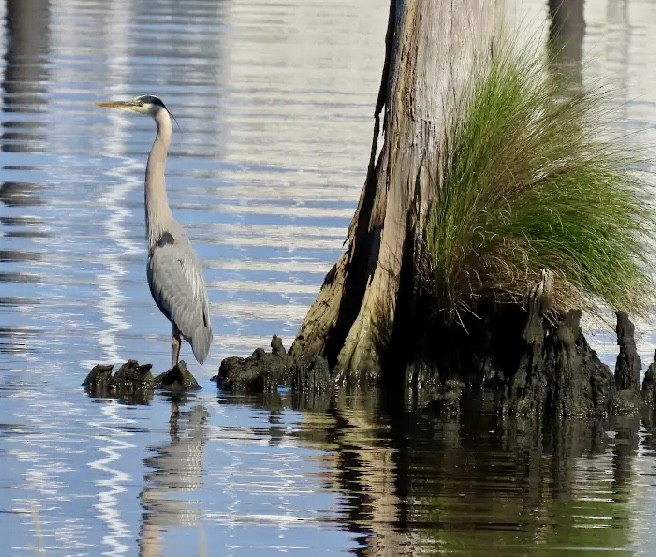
x=174, y=272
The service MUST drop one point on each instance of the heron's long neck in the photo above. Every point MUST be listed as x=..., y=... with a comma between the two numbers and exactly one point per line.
x=158, y=211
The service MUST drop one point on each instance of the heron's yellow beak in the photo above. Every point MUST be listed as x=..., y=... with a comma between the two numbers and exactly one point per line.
x=125, y=105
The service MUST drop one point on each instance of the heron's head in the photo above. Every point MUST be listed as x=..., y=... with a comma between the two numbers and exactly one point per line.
x=148, y=105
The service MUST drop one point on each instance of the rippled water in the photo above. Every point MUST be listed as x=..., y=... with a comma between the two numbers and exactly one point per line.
x=275, y=102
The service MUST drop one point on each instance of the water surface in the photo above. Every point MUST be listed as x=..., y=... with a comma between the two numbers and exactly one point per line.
x=275, y=102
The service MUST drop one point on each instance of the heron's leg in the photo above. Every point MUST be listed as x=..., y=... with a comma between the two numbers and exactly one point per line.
x=176, y=342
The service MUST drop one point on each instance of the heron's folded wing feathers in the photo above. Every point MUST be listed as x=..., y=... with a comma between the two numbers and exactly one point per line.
x=176, y=283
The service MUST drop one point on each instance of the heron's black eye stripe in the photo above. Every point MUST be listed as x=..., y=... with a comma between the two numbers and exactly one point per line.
x=151, y=99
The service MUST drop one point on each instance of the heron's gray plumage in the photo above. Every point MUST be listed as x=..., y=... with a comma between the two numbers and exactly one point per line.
x=174, y=272
x=176, y=283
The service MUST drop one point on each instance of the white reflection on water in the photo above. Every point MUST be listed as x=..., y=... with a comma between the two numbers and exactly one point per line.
x=111, y=297
x=113, y=481
x=124, y=176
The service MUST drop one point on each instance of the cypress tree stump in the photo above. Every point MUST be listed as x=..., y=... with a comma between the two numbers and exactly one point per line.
x=432, y=47
x=371, y=320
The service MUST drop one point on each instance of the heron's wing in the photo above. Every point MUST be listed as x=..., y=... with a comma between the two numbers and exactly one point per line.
x=176, y=283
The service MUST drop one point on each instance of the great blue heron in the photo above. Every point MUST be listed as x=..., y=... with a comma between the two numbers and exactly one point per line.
x=174, y=272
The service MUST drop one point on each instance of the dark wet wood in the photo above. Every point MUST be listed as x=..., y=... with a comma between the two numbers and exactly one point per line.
x=178, y=378
x=135, y=378
x=627, y=367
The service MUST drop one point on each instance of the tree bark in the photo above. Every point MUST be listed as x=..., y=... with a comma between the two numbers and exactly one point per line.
x=432, y=47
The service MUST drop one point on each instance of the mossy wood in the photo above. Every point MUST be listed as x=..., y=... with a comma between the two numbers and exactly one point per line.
x=432, y=48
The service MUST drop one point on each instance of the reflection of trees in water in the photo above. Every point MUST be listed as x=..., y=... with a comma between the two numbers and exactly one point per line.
x=28, y=44
x=415, y=481
x=625, y=446
x=23, y=89
x=566, y=34
x=24, y=82
x=176, y=466
x=19, y=194
x=365, y=465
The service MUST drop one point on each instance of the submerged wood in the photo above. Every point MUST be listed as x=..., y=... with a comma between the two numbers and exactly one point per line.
x=264, y=371
x=537, y=363
x=261, y=371
x=179, y=378
x=133, y=378
x=558, y=372
x=627, y=398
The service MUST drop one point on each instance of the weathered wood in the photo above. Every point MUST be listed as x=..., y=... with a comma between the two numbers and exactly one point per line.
x=558, y=373
x=627, y=366
x=528, y=385
x=321, y=320
x=626, y=398
x=258, y=372
x=432, y=48
x=328, y=321
x=649, y=383
x=372, y=308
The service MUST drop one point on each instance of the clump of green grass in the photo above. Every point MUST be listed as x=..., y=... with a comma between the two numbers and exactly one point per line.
x=529, y=178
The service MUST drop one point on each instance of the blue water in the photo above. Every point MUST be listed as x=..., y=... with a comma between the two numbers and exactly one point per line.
x=275, y=102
